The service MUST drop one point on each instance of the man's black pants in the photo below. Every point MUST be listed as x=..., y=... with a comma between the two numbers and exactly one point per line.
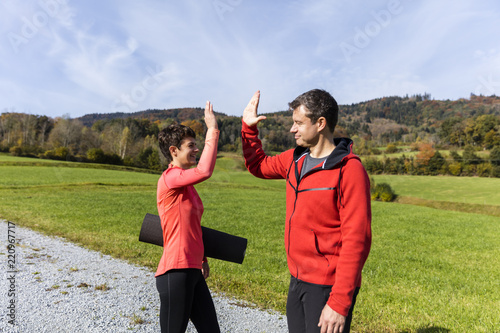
x=305, y=304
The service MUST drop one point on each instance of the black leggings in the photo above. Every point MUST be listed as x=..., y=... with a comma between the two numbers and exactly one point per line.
x=305, y=303
x=184, y=295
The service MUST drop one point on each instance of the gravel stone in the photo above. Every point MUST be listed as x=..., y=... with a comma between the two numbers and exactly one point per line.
x=62, y=287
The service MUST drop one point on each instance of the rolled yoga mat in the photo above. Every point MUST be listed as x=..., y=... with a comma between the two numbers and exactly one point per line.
x=218, y=244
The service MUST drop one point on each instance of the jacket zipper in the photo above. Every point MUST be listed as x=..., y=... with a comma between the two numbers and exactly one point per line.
x=289, y=231
x=296, y=189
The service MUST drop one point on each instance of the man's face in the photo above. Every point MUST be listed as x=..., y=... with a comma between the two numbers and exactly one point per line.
x=306, y=133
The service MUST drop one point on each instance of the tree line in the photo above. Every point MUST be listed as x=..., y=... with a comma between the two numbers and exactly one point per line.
x=131, y=138
x=430, y=161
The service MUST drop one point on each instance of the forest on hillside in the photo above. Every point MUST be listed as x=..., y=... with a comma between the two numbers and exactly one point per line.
x=377, y=126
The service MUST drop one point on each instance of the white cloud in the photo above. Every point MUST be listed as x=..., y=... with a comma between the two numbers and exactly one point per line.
x=88, y=56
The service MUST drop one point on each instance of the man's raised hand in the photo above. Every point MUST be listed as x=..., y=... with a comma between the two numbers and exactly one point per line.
x=250, y=116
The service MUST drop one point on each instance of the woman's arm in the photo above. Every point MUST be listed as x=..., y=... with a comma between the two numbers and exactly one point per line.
x=177, y=177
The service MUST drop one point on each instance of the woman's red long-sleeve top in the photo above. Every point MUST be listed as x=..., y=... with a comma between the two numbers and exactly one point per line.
x=180, y=210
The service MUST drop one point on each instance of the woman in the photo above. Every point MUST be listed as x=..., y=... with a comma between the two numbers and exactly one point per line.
x=183, y=268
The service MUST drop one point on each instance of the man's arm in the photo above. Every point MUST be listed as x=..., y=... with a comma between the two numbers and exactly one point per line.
x=355, y=216
x=256, y=161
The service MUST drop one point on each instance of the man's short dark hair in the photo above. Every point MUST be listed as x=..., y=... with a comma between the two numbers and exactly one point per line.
x=173, y=135
x=319, y=103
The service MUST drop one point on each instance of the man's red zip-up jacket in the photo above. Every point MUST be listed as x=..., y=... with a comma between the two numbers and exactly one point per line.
x=328, y=214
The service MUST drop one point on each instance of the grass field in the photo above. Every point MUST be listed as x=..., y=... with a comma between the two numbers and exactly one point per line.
x=429, y=270
x=471, y=190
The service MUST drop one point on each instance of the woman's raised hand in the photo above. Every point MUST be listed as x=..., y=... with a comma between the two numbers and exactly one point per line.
x=250, y=116
x=210, y=120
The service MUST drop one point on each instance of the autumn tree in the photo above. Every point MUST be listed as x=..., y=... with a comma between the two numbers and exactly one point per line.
x=67, y=133
x=426, y=152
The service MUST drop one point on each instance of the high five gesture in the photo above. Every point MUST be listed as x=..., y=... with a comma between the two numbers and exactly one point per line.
x=250, y=116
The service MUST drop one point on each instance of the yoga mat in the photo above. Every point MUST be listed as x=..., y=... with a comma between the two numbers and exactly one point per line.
x=217, y=244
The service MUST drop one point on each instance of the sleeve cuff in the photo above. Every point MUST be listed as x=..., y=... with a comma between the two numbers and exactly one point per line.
x=248, y=129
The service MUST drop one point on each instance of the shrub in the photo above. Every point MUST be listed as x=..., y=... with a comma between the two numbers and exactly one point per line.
x=373, y=166
x=436, y=163
x=469, y=156
x=112, y=159
x=455, y=168
x=154, y=162
x=62, y=153
x=495, y=171
x=495, y=156
x=391, y=148
x=96, y=155
x=484, y=169
x=383, y=192
x=469, y=170
x=16, y=151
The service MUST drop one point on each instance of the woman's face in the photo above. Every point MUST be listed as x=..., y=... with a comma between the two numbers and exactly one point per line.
x=185, y=157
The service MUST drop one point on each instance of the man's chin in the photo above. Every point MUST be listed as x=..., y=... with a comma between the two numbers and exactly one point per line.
x=301, y=143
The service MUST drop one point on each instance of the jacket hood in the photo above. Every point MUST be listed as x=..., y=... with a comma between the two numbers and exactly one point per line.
x=343, y=149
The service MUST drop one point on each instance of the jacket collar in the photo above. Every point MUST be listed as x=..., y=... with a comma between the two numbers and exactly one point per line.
x=343, y=147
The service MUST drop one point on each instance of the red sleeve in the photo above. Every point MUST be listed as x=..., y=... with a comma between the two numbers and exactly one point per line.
x=178, y=177
x=257, y=162
x=355, y=216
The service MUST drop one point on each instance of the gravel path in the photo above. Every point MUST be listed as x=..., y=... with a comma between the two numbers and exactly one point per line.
x=62, y=287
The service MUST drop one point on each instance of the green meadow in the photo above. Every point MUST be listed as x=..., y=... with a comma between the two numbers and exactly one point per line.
x=470, y=190
x=429, y=270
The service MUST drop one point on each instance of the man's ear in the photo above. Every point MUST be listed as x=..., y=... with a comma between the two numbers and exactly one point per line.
x=321, y=122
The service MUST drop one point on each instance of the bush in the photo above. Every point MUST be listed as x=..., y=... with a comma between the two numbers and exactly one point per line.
x=112, y=159
x=495, y=171
x=391, y=148
x=455, y=168
x=469, y=170
x=484, y=169
x=154, y=162
x=373, y=166
x=16, y=151
x=495, y=156
x=96, y=155
x=469, y=156
x=62, y=153
x=383, y=192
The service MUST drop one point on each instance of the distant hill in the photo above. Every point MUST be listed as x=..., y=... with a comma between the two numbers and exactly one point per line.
x=414, y=111
x=179, y=115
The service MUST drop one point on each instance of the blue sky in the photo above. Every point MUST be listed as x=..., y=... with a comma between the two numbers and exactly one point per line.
x=69, y=57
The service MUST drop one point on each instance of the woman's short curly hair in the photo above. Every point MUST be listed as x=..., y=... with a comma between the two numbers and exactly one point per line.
x=173, y=135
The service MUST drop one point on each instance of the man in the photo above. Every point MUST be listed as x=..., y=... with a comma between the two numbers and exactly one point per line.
x=328, y=214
